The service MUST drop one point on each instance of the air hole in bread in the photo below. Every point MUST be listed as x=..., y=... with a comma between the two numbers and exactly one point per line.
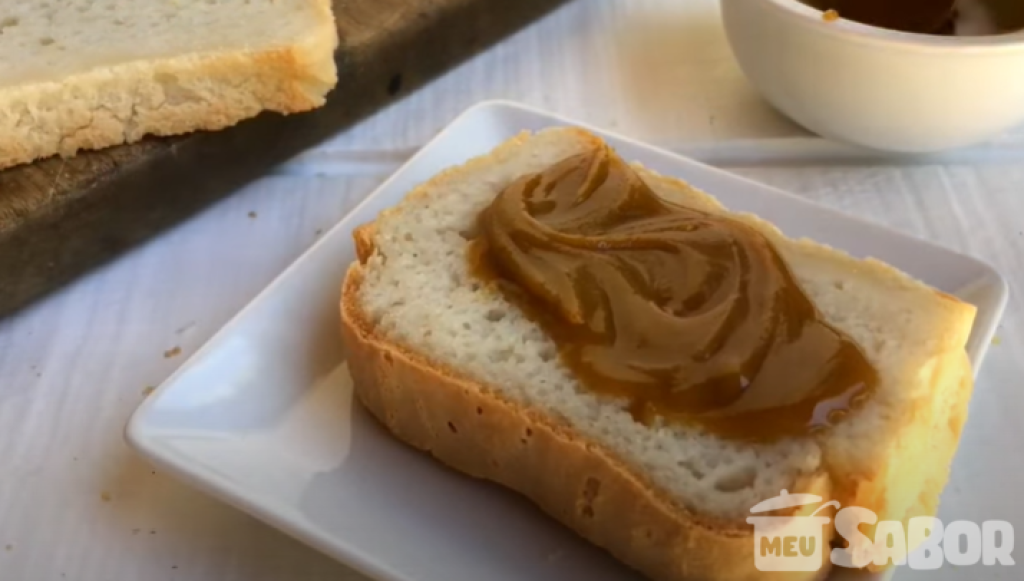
x=529, y=433
x=388, y=357
x=469, y=233
x=501, y=356
x=840, y=285
x=174, y=92
x=591, y=490
x=495, y=315
x=8, y=22
x=479, y=411
x=712, y=460
x=407, y=237
x=452, y=427
x=46, y=41
x=467, y=326
x=547, y=353
x=689, y=467
x=474, y=287
x=736, y=480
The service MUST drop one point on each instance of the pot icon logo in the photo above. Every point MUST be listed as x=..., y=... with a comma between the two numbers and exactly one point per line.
x=790, y=543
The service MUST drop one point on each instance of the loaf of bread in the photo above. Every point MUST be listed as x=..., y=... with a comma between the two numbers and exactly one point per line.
x=88, y=74
x=452, y=367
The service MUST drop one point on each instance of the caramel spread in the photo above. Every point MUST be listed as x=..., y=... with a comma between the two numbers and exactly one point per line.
x=686, y=315
x=921, y=16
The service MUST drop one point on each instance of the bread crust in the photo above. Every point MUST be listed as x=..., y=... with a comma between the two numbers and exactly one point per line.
x=126, y=102
x=468, y=427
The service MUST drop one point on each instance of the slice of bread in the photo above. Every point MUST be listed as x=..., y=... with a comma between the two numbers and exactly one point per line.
x=88, y=74
x=451, y=367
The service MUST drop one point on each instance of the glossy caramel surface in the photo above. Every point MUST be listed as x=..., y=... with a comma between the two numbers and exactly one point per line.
x=686, y=315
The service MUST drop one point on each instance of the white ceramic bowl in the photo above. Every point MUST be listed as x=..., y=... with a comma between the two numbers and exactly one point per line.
x=878, y=88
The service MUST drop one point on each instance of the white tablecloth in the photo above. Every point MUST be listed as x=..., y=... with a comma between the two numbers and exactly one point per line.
x=75, y=503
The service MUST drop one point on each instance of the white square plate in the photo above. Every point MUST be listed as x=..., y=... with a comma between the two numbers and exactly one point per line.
x=262, y=416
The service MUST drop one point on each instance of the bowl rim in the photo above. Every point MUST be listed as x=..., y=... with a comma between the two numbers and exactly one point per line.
x=810, y=16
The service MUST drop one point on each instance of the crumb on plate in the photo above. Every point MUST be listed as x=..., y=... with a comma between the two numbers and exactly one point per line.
x=830, y=16
x=146, y=391
x=105, y=496
x=172, y=352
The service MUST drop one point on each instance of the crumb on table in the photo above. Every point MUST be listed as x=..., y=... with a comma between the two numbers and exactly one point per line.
x=996, y=340
x=9, y=548
x=252, y=215
x=830, y=16
x=105, y=496
x=172, y=352
x=146, y=391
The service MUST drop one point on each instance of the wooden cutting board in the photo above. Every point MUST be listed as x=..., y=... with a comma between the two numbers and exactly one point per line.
x=61, y=217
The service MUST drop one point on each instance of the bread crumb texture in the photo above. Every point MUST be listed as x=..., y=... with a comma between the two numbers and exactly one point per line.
x=85, y=74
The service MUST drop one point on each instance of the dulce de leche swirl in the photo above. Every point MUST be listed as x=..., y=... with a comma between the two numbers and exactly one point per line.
x=687, y=315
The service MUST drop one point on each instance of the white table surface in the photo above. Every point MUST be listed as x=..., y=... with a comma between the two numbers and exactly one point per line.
x=76, y=503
